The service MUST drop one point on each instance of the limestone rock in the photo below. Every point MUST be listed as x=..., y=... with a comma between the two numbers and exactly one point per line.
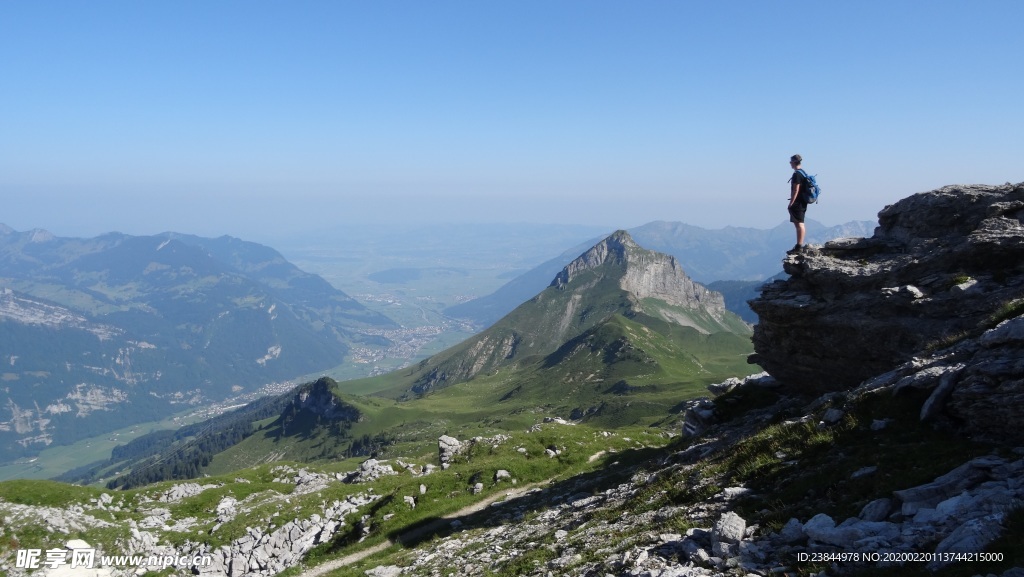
x=698, y=416
x=850, y=534
x=971, y=537
x=370, y=470
x=227, y=509
x=447, y=448
x=729, y=528
x=318, y=399
x=876, y=510
x=183, y=491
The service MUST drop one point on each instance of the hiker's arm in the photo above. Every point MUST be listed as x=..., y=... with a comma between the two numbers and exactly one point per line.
x=794, y=190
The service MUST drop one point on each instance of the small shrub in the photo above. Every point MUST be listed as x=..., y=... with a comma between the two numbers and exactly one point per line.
x=1008, y=310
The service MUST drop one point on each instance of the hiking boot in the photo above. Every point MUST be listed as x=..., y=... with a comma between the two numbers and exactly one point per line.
x=797, y=249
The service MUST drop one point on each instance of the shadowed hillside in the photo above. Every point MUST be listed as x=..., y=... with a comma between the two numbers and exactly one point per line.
x=105, y=332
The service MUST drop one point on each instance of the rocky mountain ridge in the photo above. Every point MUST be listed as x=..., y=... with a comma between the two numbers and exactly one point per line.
x=596, y=527
x=648, y=274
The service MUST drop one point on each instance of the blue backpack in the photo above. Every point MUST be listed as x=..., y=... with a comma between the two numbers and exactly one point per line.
x=812, y=191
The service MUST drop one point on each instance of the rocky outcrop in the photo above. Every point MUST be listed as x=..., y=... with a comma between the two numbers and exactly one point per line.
x=370, y=470
x=447, y=449
x=276, y=535
x=318, y=399
x=69, y=520
x=961, y=510
x=271, y=550
x=938, y=266
x=976, y=385
x=182, y=491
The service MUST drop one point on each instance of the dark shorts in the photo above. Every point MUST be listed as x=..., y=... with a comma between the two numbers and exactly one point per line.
x=797, y=211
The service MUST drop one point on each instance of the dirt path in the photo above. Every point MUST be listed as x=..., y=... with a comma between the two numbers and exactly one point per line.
x=432, y=526
x=420, y=531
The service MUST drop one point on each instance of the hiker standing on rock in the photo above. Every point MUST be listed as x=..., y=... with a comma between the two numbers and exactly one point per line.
x=797, y=202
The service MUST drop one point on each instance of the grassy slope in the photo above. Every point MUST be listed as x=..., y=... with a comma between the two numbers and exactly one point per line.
x=447, y=491
x=620, y=373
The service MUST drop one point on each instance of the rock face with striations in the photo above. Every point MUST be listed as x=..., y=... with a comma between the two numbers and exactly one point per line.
x=938, y=267
x=647, y=274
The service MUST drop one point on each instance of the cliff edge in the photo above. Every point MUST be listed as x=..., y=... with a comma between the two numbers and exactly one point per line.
x=942, y=267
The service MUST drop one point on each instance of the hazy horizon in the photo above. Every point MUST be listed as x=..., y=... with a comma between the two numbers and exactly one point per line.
x=306, y=234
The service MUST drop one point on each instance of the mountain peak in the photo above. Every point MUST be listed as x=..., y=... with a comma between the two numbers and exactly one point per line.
x=615, y=249
x=32, y=236
x=643, y=273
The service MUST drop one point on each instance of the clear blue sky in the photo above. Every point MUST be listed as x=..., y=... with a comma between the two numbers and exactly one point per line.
x=243, y=117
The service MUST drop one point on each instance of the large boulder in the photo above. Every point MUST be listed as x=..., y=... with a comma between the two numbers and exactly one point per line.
x=938, y=266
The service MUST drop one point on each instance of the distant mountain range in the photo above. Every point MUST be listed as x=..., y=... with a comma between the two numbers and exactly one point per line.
x=736, y=253
x=99, y=333
x=707, y=256
x=619, y=335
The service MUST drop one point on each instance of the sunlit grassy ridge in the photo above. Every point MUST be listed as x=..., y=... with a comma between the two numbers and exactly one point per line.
x=621, y=372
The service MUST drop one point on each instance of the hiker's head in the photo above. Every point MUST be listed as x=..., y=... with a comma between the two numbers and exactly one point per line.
x=796, y=159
